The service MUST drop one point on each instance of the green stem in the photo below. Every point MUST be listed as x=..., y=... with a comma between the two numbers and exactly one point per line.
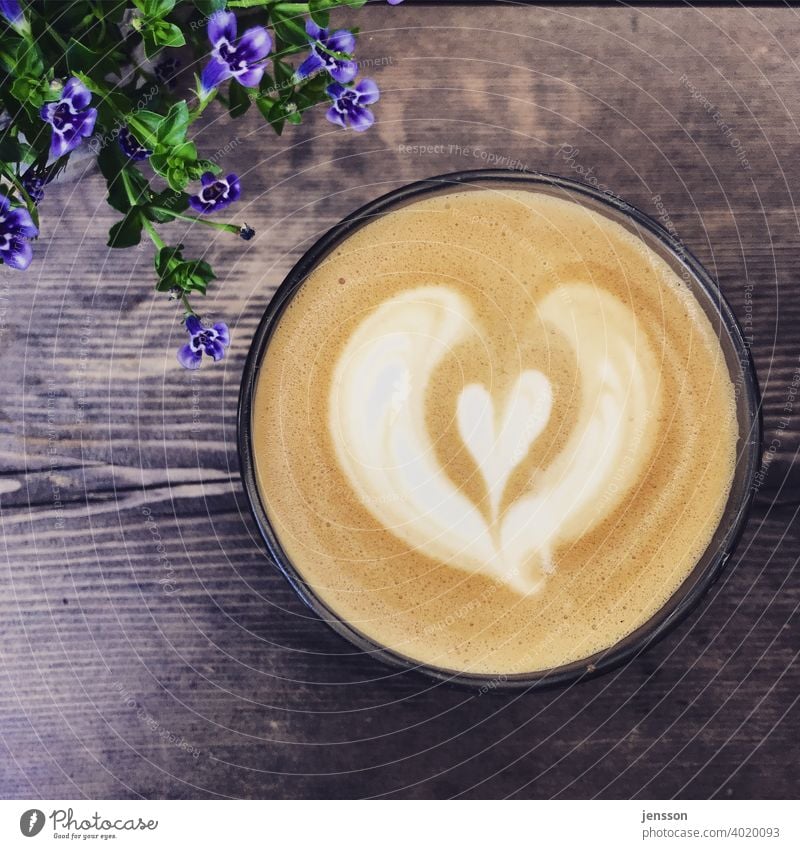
x=126, y=182
x=201, y=106
x=228, y=228
x=152, y=232
x=186, y=305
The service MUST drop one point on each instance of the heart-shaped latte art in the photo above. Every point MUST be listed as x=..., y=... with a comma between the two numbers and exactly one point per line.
x=499, y=442
x=377, y=423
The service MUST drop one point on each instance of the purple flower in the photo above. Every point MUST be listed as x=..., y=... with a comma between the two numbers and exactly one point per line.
x=342, y=41
x=243, y=60
x=16, y=226
x=34, y=185
x=349, y=105
x=131, y=146
x=209, y=340
x=215, y=193
x=394, y=2
x=11, y=11
x=70, y=119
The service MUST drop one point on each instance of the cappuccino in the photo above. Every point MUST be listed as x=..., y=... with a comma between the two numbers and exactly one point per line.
x=494, y=431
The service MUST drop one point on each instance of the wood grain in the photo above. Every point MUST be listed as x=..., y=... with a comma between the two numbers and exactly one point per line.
x=148, y=648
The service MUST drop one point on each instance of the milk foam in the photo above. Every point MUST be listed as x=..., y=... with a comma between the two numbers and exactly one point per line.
x=480, y=387
x=377, y=421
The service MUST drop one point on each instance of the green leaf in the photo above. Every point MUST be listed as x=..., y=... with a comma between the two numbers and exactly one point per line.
x=208, y=165
x=239, y=99
x=272, y=111
x=354, y=4
x=28, y=60
x=208, y=7
x=318, y=9
x=172, y=129
x=112, y=163
x=186, y=152
x=128, y=232
x=288, y=29
x=30, y=91
x=177, y=178
x=158, y=8
x=159, y=162
x=198, y=275
x=79, y=57
x=174, y=272
x=144, y=126
x=267, y=83
x=168, y=35
x=166, y=258
x=284, y=78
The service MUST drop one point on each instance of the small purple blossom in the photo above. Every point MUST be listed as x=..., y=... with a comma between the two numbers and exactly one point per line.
x=131, y=146
x=69, y=117
x=349, y=104
x=11, y=11
x=242, y=60
x=211, y=341
x=216, y=193
x=342, y=41
x=34, y=185
x=16, y=225
x=394, y=2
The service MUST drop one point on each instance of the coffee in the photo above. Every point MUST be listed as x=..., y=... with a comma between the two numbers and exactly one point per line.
x=494, y=431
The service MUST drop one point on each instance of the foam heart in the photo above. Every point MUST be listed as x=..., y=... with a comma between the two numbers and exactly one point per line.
x=378, y=424
x=498, y=442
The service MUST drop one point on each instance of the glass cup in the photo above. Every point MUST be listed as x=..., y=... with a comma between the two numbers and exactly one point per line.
x=737, y=356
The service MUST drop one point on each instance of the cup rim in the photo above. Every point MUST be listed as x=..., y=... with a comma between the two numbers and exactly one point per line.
x=674, y=611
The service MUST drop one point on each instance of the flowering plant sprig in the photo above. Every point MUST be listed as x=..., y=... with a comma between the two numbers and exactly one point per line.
x=104, y=76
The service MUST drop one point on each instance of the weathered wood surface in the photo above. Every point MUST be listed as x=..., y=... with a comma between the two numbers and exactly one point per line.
x=109, y=450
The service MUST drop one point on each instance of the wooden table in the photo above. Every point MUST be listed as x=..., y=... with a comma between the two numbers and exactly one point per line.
x=148, y=647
